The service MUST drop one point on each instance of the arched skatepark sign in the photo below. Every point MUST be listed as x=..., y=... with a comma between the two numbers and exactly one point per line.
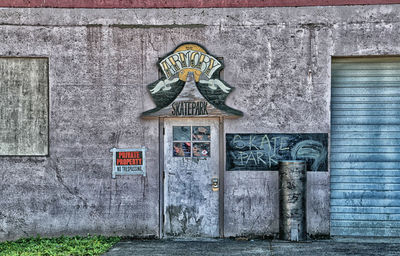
x=190, y=86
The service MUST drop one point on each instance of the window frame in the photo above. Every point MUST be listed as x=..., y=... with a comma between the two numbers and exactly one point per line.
x=191, y=141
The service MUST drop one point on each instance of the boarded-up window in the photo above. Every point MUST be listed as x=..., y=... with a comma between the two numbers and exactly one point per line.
x=24, y=108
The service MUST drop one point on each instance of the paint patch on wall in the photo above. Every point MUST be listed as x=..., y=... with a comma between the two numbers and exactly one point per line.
x=24, y=101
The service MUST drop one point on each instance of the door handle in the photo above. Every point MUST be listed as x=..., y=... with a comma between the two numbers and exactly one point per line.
x=214, y=184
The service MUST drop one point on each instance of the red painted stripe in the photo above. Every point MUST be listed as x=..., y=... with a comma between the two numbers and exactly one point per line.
x=183, y=3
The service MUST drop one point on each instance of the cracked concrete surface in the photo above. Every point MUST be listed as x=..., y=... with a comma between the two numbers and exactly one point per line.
x=256, y=247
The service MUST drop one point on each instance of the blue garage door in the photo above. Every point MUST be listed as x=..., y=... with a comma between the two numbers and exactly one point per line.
x=365, y=147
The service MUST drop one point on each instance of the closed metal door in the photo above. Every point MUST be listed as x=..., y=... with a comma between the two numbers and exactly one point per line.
x=191, y=184
x=365, y=147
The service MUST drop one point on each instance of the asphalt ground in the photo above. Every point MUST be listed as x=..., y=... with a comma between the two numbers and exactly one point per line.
x=233, y=247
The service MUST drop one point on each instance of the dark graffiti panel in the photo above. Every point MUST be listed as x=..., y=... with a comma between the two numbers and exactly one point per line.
x=265, y=151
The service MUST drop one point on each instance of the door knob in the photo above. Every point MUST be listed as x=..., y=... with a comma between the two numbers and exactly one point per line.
x=215, y=184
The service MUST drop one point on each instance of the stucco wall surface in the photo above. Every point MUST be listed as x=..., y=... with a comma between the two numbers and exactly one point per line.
x=99, y=64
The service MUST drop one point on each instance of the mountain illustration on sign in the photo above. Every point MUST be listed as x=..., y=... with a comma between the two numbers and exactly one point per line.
x=190, y=67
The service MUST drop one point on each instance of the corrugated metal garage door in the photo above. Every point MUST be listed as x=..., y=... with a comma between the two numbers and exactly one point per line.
x=365, y=147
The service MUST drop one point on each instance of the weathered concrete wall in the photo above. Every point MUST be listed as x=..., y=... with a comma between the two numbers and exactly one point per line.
x=184, y=3
x=101, y=60
x=96, y=97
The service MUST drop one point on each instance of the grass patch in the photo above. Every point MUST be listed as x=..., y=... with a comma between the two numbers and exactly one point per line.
x=89, y=245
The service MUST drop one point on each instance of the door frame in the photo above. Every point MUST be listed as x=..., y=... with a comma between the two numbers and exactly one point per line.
x=221, y=168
